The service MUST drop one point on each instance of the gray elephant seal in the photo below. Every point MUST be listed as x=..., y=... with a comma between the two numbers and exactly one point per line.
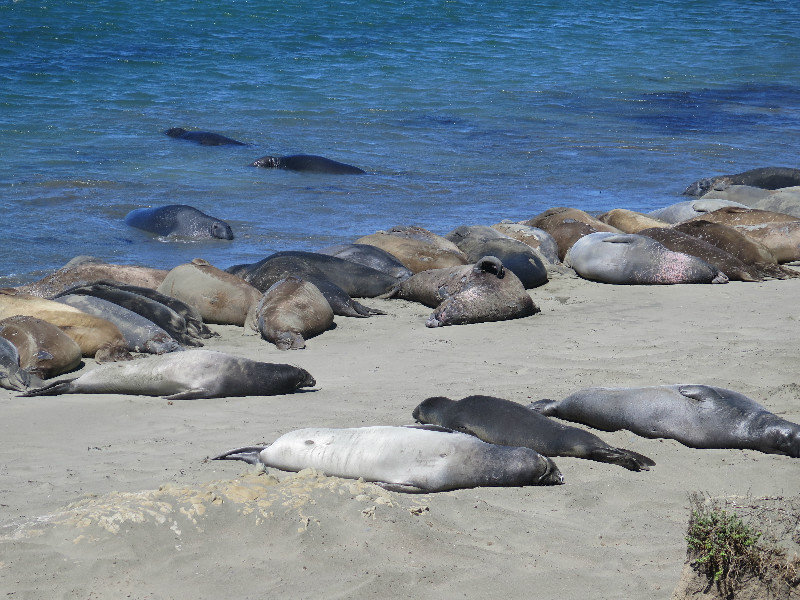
x=12, y=376
x=507, y=423
x=185, y=376
x=690, y=209
x=699, y=416
x=404, y=459
x=632, y=259
x=307, y=163
x=767, y=178
x=370, y=256
x=204, y=138
x=179, y=220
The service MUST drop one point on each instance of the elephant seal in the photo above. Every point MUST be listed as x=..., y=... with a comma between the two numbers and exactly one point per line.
x=629, y=221
x=690, y=209
x=336, y=278
x=44, y=349
x=403, y=459
x=141, y=334
x=479, y=240
x=559, y=214
x=204, y=138
x=179, y=220
x=783, y=200
x=12, y=376
x=290, y=312
x=96, y=336
x=218, y=296
x=370, y=256
x=417, y=253
x=698, y=416
x=477, y=293
x=632, y=259
x=185, y=376
x=85, y=269
x=307, y=163
x=538, y=239
x=768, y=178
x=507, y=423
x=677, y=241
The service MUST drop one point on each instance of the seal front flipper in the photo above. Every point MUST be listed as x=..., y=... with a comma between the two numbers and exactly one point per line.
x=547, y=407
x=633, y=461
x=248, y=454
x=192, y=394
x=52, y=389
x=406, y=488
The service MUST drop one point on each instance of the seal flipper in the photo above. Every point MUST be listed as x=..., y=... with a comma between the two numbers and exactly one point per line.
x=248, y=454
x=192, y=394
x=406, y=488
x=52, y=389
x=366, y=311
x=633, y=461
x=547, y=407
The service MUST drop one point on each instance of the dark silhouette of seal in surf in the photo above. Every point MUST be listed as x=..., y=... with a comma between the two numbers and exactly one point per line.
x=307, y=163
x=204, y=138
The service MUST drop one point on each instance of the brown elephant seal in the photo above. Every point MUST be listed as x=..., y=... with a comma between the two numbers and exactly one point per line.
x=538, y=239
x=93, y=334
x=632, y=259
x=290, y=312
x=500, y=421
x=476, y=293
x=185, y=376
x=629, y=221
x=698, y=416
x=403, y=459
x=778, y=232
x=204, y=138
x=690, y=209
x=86, y=269
x=677, y=241
x=417, y=254
x=218, y=296
x=369, y=256
x=307, y=163
x=553, y=216
x=768, y=178
x=44, y=349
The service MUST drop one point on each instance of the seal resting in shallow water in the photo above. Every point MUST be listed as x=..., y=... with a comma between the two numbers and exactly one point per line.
x=404, y=459
x=185, y=376
x=507, y=423
x=179, y=220
x=699, y=416
x=307, y=163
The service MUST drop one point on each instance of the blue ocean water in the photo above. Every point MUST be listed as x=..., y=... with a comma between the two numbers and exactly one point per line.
x=461, y=112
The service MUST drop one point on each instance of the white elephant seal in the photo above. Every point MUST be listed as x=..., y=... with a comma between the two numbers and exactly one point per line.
x=404, y=459
x=629, y=258
x=185, y=376
x=699, y=416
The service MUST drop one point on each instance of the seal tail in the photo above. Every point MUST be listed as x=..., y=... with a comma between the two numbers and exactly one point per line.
x=52, y=389
x=248, y=454
x=633, y=461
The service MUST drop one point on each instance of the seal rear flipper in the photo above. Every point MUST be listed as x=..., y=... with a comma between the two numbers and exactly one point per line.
x=51, y=389
x=405, y=488
x=366, y=311
x=192, y=394
x=248, y=454
x=633, y=461
x=546, y=407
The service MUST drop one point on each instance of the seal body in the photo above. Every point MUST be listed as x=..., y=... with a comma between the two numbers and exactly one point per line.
x=768, y=178
x=185, y=376
x=699, y=416
x=690, y=209
x=416, y=250
x=307, y=163
x=633, y=259
x=404, y=459
x=12, y=376
x=290, y=312
x=507, y=423
x=44, y=349
x=370, y=256
x=204, y=138
x=536, y=238
x=179, y=220
x=629, y=221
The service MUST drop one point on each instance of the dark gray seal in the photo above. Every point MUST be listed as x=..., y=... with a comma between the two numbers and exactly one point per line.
x=204, y=138
x=767, y=178
x=12, y=376
x=699, y=416
x=179, y=220
x=370, y=256
x=307, y=163
x=507, y=423
x=185, y=376
x=404, y=459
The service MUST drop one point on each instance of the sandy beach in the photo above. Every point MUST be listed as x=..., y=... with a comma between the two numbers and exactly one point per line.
x=108, y=496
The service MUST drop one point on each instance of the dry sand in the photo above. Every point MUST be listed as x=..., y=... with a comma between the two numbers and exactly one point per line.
x=109, y=496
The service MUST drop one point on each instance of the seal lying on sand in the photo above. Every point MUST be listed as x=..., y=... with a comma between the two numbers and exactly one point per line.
x=185, y=376
x=12, y=376
x=179, y=220
x=44, y=349
x=699, y=416
x=417, y=248
x=204, y=138
x=404, y=459
x=370, y=256
x=768, y=178
x=308, y=163
x=507, y=423
x=690, y=209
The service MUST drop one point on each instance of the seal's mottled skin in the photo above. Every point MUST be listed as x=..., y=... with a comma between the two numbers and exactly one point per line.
x=404, y=459
x=699, y=416
x=179, y=220
x=307, y=163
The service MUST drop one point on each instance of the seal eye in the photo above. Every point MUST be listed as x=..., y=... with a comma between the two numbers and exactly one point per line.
x=309, y=442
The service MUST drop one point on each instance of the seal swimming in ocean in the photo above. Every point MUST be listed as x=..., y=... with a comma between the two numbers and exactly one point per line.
x=179, y=220
x=185, y=376
x=204, y=138
x=507, y=423
x=404, y=459
x=698, y=416
x=307, y=163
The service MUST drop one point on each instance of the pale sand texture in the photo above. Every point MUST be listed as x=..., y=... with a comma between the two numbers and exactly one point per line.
x=110, y=497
